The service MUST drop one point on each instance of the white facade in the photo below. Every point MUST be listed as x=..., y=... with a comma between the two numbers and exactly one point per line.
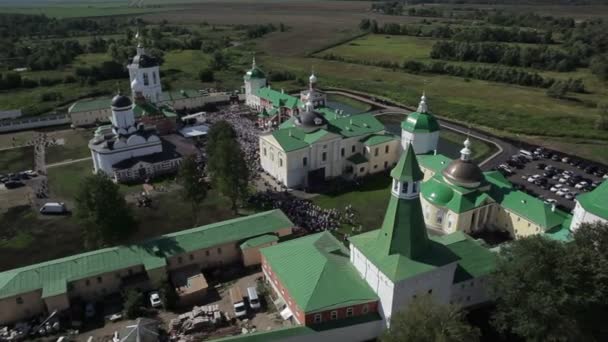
x=580, y=216
x=312, y=95
x=329, y=153
x=144, y=78
x=253, y=83
x=422, y=142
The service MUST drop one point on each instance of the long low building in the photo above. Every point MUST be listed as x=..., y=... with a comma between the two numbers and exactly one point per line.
x=42, y=288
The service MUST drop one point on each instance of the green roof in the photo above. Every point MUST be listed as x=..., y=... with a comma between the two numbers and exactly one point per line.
x=474, y=261
x=268, y=113
x=596, y=201
x=292, y=139
x=456, y=198
x=357, y=159
x=52, y=276
x=434, y=162
x=278, y=98
x=317, y=272
x=90, y=104
x=524, y=205
x=407, y=168
x=420, y=123
x=355, y=125
x=259, y=240
x=254, y=72
x=377, y=139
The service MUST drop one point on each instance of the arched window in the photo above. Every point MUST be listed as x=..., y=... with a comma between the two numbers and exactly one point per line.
x=154, y=77
x=146, y=80
x=404, y=188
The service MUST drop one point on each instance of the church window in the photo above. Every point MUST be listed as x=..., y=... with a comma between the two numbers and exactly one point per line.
x=154, y=77
x=404, y=187
x=365, y=309
x=324, y=156
x=271, y=156
x=207, y=253
x=146, y=80
x=349, y=312
x=376, y=152
x=179, y=260
x=318, y=318
x=191, y=257
x=353, y=149
x=342, y=152
x=280, y=162
x=87, y=282
x=439, y=217
x=375, y=166
x=99, y=280
x=362, y=170
x=219, y=250
x=528, y=224
x=304, y=161
x=415, y=187
x=334, y=314
x=19, y=300
x=264, y=151
x=324, y=146
x=386, y=149
x=430, y=291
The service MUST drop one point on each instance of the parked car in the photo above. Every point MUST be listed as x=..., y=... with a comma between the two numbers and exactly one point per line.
x=155, y=300
x=550, y=201
x=526, y=154
x=532, y=178
x=254, y=300
x=566, y=160
x=562, y=180
x=556, y=187
x=13, y=184
x=240, y=310
x=562, y=192
x=570, y=195
x=555, y=157
x=53, y=208
x=541, y=166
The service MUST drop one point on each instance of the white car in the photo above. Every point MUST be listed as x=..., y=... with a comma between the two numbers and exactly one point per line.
x=155, y=300
x=562, y=180
x=556, y=187
x=551, y=201
x=562, y=192
x=581, y=185
x=570, y=196
x=533, y=178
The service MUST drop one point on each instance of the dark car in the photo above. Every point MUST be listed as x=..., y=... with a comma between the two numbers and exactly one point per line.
x=575, y=162
x=555, y=157
x=541, y=166
x=590, y=169
x=599, y=173
x=11, y=184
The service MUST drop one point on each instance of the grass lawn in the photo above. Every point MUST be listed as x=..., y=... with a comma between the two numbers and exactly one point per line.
x=75, y=146
x=64, y=180
x=17, y=159
x=369, y=201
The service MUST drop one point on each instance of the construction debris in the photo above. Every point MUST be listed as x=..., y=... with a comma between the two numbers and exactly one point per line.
x=201, y=319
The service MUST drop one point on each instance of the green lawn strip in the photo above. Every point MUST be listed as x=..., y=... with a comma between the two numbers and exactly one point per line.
x=17, y=159
x=481, y=149
x=356, y=104
x=75, y=147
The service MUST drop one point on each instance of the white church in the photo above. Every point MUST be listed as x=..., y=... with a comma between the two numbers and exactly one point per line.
x=127, y=151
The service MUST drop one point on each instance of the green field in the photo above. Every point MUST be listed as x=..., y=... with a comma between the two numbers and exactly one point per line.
x=82, y=10
x=16, y=159
x=75, y=146
x=374, y=47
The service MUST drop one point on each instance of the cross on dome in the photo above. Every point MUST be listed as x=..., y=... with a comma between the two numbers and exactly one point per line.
x=465, y=153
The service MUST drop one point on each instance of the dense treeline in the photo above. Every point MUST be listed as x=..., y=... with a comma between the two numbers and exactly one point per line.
x=18, y=26
x=470, y=34
x=502, y=75
x=541, y=57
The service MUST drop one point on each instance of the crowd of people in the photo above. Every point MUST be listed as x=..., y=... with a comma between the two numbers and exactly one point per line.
x=304, y=213
x=247, y=133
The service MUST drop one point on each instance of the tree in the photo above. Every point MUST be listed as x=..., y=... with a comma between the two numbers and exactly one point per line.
x=133, y=303
x=206, y=75
x=103, y=211
x=552, y=291
x=557, y=90
x=219, y=61
x=427, y=321
x=227, y=166
x=168, y=296
x=194, y=187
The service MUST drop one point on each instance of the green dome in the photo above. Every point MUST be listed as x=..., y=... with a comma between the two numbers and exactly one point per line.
x=437, y=193
x=420, y=123
x=255, y=72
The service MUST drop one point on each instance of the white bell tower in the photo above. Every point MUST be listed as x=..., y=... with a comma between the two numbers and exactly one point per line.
x=144, y=74
x=420, y=129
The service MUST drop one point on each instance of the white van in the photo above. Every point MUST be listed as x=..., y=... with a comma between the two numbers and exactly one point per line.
x=527, y=154
x=254, y=301
x=53, y=208
x=240, y=310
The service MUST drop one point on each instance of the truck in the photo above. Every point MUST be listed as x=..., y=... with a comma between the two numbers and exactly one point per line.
x=240, y=310
x=53, y=208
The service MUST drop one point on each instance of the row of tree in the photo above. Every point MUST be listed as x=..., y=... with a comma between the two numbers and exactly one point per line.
x=469, y=34
x=537, y=57
x=494, y=74
x=544, y=290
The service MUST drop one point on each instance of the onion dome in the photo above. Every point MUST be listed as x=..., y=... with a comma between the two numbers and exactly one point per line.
x=144, y=61
x=121, y=101
x=312, y=78
x=310, y=120
x=437, y=193
x=254, y=72
x=463, y=171
x=421, y=121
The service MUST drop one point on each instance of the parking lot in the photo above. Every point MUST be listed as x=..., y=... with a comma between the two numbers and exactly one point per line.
x=553, y=177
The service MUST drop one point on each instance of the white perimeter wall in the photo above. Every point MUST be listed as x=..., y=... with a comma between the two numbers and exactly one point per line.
x=580, y=215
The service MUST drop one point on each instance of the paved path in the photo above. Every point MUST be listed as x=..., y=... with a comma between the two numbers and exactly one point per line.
x=66, y=162
x=505, y=149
